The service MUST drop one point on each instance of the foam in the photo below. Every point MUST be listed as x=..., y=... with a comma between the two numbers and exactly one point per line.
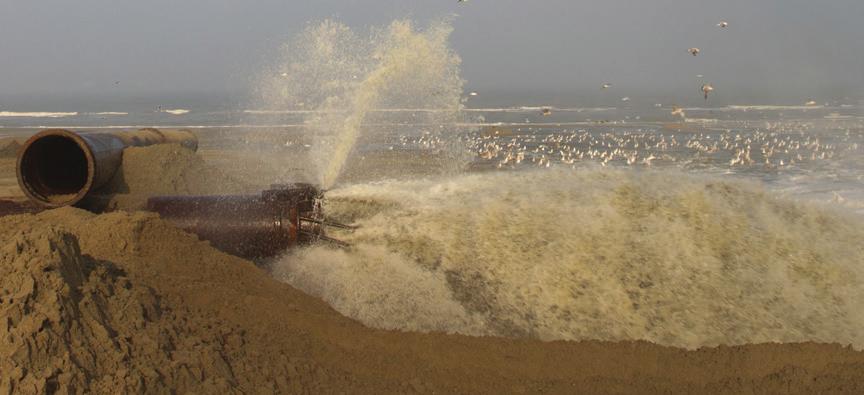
x=119, y=113
x=177, y=111
x=591, y=254
x=36, y=114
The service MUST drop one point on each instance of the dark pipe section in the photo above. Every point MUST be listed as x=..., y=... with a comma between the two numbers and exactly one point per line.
x=14, y=207
x=58, y=167
x=55, y=168
x=249, y=226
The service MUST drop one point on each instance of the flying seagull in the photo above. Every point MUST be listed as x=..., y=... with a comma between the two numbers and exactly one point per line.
x=723, y=24
x=607, y=85
x=693, y=51
x=707, y=88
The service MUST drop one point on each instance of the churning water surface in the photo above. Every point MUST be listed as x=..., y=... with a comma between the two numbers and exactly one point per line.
x=711, y=226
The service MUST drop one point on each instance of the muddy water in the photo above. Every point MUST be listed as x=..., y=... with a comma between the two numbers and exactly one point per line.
x=592, y=254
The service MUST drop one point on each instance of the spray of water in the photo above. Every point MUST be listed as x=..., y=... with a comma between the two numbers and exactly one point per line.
x=554, y=254
x=345, y=79
x=591, y=254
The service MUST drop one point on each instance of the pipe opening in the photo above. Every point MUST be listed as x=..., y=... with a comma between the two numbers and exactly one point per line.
x=55, y=169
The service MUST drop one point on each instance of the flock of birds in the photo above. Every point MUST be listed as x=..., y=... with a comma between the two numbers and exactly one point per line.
x=743, y=145
x=775, y=145
x=772, y=146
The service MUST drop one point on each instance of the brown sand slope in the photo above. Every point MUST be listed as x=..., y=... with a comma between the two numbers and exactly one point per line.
x=9, y=148
x=165, y=169
x=146, y=307
x=8, y=182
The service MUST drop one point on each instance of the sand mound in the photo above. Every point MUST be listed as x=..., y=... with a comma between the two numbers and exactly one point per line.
x=77, y=322
x=9, y=149
x=123, y=302
x=72, y=322
x=164, y=169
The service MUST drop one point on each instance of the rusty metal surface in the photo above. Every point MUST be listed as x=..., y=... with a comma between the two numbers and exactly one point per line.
x=13, y=207
x=249, y=226
x=58, y=167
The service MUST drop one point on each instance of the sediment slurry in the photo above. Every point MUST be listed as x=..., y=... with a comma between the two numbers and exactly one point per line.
x=561, y=254
x=124, y=302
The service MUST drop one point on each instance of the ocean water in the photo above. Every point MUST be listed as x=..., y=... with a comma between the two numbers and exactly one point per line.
x=638, y=220
x=808, y=152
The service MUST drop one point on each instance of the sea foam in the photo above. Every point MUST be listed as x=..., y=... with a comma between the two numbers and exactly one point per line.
x=36, y=114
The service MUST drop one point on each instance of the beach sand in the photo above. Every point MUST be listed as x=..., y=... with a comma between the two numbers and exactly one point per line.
x=125, y=302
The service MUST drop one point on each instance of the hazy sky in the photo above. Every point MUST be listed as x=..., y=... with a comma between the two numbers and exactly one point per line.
x=781, y=50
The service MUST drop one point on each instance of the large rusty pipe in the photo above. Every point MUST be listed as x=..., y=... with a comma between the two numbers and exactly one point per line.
x=249, y=226
x=58, y=167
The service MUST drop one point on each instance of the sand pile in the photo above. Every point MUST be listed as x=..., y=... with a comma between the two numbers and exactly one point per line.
x=74, y=321
x=69, y=321
x=165, y=169
x=124, y=302
x=9, y=149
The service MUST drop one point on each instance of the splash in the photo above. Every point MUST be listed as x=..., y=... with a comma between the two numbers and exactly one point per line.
x=342, y=78
x=591, y=254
